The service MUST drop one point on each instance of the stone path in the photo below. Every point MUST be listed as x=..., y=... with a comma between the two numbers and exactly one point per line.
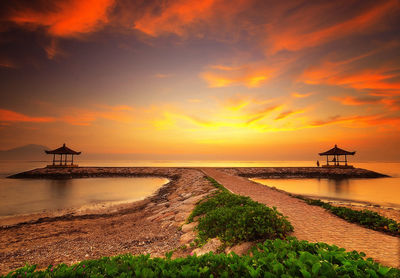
x=314, y=223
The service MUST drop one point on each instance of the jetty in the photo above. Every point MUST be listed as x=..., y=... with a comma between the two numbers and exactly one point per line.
x=249, y=172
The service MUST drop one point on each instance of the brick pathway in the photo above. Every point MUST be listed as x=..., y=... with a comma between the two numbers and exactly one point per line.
x=314, y=223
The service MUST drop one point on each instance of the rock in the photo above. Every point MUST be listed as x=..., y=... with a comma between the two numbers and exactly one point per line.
x=211, y=246
x=182, y=216
x=187, y=237
x=189, y=227
x=195, y=199
x=240, y=249
x=166, y=224
x=185, y=207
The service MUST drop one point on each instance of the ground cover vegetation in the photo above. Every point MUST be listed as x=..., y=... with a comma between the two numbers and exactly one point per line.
x=365, y=218
x=273, y=258
x=278, y=256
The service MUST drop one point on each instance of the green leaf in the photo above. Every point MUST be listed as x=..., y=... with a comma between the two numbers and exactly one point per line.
x=305, y=273
x=315, y=268
x=383, y=270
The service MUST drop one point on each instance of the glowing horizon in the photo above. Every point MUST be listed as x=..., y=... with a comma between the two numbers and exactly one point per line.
x=235, y=79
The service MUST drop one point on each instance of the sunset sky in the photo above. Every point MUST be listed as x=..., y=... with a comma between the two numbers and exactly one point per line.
x=212, y=79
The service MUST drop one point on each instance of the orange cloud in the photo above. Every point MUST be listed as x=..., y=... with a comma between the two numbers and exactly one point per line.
x=360, y=121
x=173, y=17
x=355, y=101
x=248, y=75
x=67, y=18
x=377, y=80
x=85, y=117
x=74, y=116
x=303, y=29
x=257, y=116
x=286, y=114
x=7, y=63
x=11, y=116
x=301, y=95
x=392, y=104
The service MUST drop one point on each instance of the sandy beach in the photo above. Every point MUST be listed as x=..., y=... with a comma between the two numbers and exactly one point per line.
x=151, y=226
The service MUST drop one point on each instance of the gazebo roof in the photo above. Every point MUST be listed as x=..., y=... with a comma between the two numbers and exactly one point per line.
x=337, y=151
x=63, y=150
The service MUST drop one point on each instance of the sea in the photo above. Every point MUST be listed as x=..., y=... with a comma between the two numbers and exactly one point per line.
x=27, y=196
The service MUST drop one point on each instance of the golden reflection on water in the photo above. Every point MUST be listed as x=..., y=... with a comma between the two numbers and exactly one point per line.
x=21, y=196
x=383, y=191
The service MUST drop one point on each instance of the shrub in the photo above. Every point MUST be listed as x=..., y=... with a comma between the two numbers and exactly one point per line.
x=366, y=218
x=234, y=218
x=273, y=258
x=243, y=223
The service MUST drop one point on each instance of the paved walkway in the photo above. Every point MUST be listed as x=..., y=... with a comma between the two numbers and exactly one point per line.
x=314, y=223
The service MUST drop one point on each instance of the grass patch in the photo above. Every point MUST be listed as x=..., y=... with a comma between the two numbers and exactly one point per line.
x=233, y=218
x=365, y=218
x=273, y=258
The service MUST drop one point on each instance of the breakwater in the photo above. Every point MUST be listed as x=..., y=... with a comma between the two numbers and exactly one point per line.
x=249, y=172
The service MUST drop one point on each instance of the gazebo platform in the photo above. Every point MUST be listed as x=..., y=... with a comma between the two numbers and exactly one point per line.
x=338, y=166
x=62, y=166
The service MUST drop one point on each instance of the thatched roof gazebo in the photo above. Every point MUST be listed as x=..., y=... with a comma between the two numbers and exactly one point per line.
x=63, y=161
x=336, y=154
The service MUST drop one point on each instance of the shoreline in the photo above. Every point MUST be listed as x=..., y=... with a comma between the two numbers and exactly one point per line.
x=87, y=210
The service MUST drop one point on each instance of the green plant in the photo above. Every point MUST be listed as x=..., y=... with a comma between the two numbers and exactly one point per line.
x=234, y=218
x=366, y=218
x=273, y=258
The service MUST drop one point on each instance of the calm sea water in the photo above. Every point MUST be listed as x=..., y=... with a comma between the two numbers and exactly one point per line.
x=25, y=196
x=30, y=196
x=382, y=191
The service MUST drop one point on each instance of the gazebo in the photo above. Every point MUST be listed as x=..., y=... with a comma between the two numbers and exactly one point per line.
x=336, y=156
x=63, y=152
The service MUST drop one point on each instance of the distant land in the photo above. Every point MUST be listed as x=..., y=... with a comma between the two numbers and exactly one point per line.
x=30, y=152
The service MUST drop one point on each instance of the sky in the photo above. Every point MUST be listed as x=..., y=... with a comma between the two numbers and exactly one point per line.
x=211, y=79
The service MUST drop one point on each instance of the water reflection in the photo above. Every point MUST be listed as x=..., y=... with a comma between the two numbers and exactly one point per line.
x=31, y=195
x=339, y=186
x=383, y=191
x=60, y=188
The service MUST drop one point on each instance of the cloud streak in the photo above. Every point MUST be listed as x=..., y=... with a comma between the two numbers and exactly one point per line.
x=15, y=117
x=303, y=29
x=251, y=76
x=64, y=18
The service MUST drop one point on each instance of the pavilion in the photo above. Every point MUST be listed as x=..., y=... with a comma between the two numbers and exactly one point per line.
x=336, y=156
x=63, y=152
